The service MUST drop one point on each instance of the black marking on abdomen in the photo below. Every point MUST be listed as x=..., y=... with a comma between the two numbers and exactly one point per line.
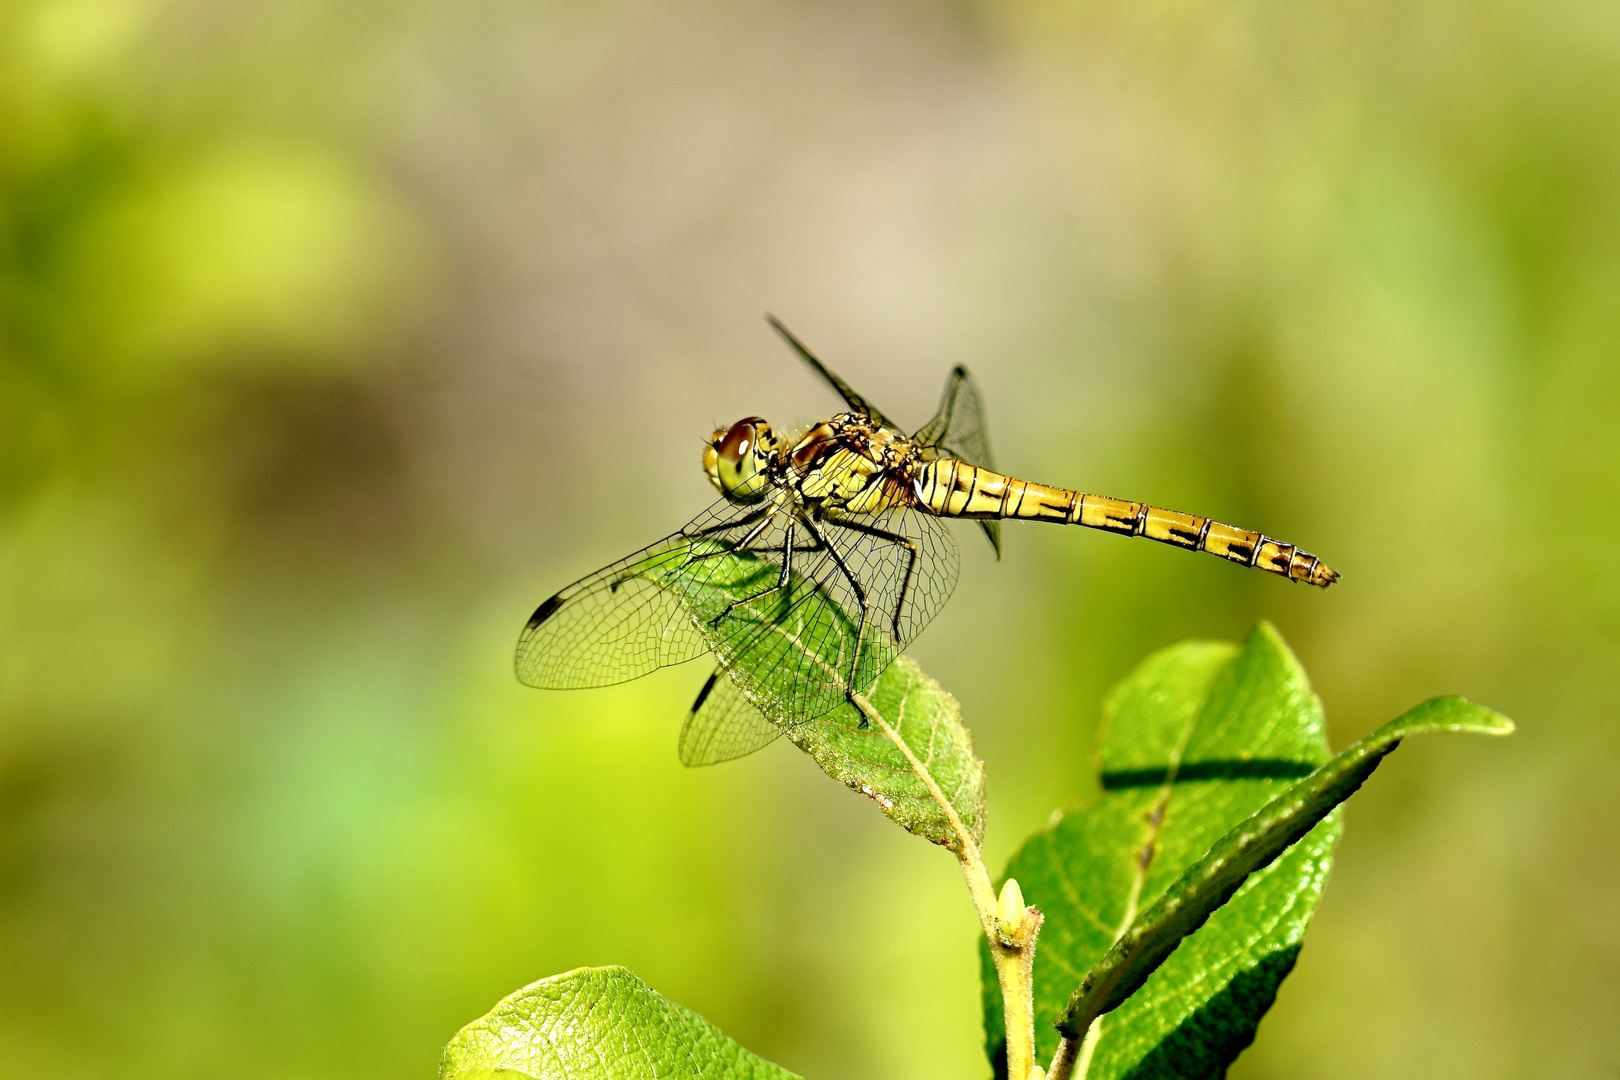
x=1181, y=537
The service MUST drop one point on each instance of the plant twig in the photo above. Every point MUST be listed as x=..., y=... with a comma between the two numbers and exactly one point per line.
x=1014, y=956
x=1073, y=1057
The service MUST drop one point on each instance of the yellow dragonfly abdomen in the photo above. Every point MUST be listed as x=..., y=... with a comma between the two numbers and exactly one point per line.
x=951, y=488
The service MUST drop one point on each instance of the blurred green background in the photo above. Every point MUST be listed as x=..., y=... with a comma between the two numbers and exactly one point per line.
x=334, y=336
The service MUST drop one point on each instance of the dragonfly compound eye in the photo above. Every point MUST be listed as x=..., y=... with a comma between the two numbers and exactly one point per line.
x=740, y=456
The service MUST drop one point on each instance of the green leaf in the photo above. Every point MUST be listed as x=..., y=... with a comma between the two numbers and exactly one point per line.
x=1196, y=738
x=784, y=647
x=1204, y=748
x=602, y=1023
x=1210, y=882
x=917, y=764
x=795, y=650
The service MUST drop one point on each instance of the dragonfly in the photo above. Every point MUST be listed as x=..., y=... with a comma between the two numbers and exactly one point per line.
x=822, y=560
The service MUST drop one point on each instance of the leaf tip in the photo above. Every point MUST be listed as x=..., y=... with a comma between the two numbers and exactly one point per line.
x=1267, y=629
x=1452, y=713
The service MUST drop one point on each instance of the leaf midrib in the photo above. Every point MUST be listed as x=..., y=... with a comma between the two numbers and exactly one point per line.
x=963, y=836
x=1142, y=864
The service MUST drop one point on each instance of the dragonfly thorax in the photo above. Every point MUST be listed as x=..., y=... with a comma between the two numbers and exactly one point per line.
x=849, y=465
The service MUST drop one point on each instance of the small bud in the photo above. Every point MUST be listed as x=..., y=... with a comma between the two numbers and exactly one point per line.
x=1010, y=908
x=1037, y=1073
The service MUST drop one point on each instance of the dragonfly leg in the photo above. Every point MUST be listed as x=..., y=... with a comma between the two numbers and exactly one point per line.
x=741, y=545
x=747, y=519
x=781, y=579
x=860, y=598
x=911, y=561
x=755, y=533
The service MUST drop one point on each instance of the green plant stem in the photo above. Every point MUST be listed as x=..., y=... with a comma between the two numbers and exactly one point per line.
x=1011, y=948
x=1015, y=971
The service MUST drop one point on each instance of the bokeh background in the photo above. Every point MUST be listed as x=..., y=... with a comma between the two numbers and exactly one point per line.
x=334, y=336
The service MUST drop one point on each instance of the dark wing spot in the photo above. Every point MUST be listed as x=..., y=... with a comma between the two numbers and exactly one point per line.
x=545, y=611
x=703, y=694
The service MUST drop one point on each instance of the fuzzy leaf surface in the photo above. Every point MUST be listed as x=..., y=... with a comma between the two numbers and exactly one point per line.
x=602, y=1023
x=929, y=749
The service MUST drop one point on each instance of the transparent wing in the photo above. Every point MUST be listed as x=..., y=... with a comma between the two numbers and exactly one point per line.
x=855, y=401
x=625, y=621
x=958, y=430
x=797, y=611
x=724, y=725
x=846, y=598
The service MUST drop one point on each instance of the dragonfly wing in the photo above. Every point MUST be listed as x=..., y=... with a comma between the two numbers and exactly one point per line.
x=907, y=563
x=799, y=651
x=799, y=612
x=631, y=617
x=785, y=642
x=855, y=401
x=724, y=725
x=958, y=427
x=958, y=430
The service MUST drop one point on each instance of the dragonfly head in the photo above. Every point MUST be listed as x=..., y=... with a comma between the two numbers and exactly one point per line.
x=736, y=459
